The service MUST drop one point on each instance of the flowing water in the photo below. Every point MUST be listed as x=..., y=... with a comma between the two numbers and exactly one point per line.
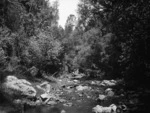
x=78, y=101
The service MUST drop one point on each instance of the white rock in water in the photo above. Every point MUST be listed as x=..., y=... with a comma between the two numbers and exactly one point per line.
x=11, y=78
x=15, y=86
x=113, y=81
x=108, y=83
x=80, y=88
x=106, y=109
x=75, y=80
x=101, y=109
x=44, y=96
x=51, y=102
x=108, y=89
x=113, y=107
x=97, y=109
x=38, y=102
x=110, y=93
x=102, y=97
x=68, y=104
x=63, y=111
x=93, y=83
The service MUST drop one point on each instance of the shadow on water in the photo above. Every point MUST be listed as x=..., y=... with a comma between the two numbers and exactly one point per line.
x=44, y=109
x=79, y=104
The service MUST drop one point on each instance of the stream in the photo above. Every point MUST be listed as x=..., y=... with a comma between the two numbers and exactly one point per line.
x=74, y=100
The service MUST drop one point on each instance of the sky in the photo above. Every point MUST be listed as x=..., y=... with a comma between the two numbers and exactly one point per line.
x=66, y=7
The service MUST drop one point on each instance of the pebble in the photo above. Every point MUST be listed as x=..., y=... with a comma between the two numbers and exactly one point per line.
x=51, y=103
x=63, y=111
x=68, y=104
x=88, y=96
x=62, y=100
x=102, y=97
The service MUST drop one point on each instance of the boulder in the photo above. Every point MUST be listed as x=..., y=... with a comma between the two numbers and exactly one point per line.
x=15, y=87
x=100, y=109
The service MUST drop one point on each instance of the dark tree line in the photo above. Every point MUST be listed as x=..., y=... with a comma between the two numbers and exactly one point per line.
x=112, y=37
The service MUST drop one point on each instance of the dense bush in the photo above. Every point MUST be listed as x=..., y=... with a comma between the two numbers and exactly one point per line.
x=27, y=37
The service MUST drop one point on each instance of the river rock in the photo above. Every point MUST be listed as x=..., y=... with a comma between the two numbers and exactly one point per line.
x=51, y=102
x=68, y=104
x=76, y=81
x=62, y=100
x=96, y=82
x=18, y=87
x=48, y=98
x=101, y=109
x=102, y=97
x=109, y=92
x=81, y=88
x=63, y=111
x=108, y=89
x=108, y=83
x=45, y=96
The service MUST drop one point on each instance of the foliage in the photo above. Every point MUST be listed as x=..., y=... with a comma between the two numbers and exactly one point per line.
x=28, y=35
x=111, y=36
x=129, y=23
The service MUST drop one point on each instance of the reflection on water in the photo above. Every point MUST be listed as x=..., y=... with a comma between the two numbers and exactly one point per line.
x=44, y=109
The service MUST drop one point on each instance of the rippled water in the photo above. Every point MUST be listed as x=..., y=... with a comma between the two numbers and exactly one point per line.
x=79, y=99
x=80, y=104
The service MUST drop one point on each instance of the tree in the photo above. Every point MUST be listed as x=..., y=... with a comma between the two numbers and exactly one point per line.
x=70, y=24
x=90, y=13
x=32, y=32
x=129, y=23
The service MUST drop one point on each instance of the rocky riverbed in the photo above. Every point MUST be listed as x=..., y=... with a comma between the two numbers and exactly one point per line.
x=70, y=95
